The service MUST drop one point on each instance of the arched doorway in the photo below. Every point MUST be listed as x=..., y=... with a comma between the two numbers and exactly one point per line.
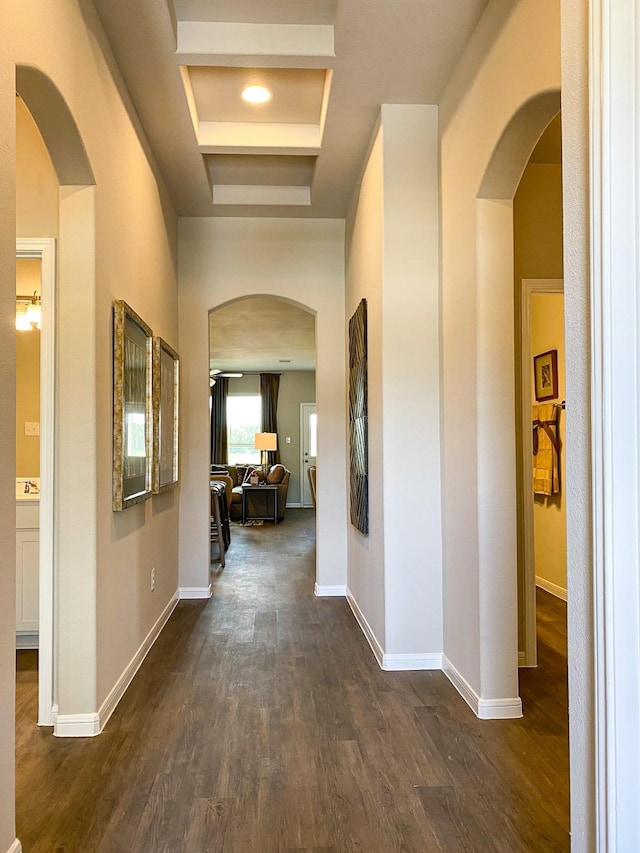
x=258, y=335
x=497, y=492
x=61, y=300
x=301, y=262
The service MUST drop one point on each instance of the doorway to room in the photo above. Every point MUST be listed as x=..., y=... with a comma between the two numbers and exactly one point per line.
x=261, y=360
x=540, y=389
x=35, y=379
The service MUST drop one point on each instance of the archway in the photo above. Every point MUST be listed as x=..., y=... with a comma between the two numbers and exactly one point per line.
x=265, y=334
x=497, y=495
x=68, y=296
x=300, y=261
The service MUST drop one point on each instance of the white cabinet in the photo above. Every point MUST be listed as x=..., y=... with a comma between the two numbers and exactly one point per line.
x=27, y=573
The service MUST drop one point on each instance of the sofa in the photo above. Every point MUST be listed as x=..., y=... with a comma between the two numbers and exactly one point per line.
x=233, y=476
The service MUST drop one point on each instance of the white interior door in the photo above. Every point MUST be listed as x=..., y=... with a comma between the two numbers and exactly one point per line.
x=308, y=446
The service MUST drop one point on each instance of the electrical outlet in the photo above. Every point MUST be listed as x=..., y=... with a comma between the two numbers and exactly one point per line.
x=153, y=579
x=31, y=428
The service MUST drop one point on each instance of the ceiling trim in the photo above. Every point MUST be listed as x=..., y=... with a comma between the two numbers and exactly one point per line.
x=207, y=37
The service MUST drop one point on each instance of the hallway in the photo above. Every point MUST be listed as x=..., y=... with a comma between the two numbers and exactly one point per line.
x=261, y=723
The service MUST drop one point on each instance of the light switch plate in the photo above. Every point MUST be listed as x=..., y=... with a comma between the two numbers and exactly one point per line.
x=288, y=440
x=31, y=428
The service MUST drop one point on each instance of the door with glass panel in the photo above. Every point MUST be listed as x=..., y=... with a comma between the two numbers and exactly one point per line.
x=308, y=445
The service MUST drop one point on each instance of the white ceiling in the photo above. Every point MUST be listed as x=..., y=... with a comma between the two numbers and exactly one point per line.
x=330, y=65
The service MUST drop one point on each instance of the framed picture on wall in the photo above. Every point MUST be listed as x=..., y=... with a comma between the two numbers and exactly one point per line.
x=165, y=416
x=132, y=407
x=545, y=373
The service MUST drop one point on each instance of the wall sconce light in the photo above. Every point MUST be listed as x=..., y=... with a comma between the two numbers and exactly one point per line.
x=28, y=312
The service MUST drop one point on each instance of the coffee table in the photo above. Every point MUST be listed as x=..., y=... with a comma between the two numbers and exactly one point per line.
x=267, y=489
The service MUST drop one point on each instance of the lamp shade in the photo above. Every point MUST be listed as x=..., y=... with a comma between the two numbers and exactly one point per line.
x=266, y=441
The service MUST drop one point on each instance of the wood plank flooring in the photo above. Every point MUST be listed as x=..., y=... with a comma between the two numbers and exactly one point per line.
x=261, y=723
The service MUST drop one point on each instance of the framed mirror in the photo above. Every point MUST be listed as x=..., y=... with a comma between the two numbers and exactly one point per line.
x=166, y=385
x=132, y=407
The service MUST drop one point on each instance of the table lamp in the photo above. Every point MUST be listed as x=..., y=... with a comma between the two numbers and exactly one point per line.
x=265, y=441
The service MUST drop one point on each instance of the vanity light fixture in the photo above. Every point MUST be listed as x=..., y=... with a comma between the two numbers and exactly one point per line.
x=28, y=312
x=256, y=94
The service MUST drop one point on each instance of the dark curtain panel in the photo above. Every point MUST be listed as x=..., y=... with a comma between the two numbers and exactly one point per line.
x=219, y=422
x=269, y=386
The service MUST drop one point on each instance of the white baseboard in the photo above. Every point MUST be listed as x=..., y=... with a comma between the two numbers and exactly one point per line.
x=89, y=725
x=392, y=662
x=189, y=592
x=376, y=648
x=76, y=725
x=553, y=588
x=16, y=847
x=400, y=663
x=485, y=709
x=328, y=591
x=296, y=505
x=27, y=640
x=500, y=709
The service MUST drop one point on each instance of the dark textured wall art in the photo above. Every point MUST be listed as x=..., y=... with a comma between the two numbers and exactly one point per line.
x=358, y=411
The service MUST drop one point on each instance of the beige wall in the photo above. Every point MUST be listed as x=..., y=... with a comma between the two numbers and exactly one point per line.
x=576, y=139
x=513, y=57
x=7, y=461
x=27, y=376
x=364, y=280
x=36, y=181
x=394, y=580
x=115, y=240
x=302, y=261
x=549, y=513
x=295, y=387
x=537, y=222
x=27, y=402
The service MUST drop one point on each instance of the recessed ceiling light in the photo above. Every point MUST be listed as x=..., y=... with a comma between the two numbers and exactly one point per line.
x=256, y=94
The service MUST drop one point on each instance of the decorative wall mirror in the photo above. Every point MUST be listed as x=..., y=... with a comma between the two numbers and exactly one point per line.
x=166, y=383
x=132, y=407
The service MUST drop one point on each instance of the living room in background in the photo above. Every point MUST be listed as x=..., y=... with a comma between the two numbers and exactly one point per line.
x=243, y=422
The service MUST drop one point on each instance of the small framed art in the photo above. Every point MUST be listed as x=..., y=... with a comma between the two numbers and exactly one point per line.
x=545, y=372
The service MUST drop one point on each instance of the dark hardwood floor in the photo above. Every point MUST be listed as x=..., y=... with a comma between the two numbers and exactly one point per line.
x=261, y=723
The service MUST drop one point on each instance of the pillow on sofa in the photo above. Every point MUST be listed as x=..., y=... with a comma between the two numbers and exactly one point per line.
x=241, y=471
x=276, y=475
x=251, y=470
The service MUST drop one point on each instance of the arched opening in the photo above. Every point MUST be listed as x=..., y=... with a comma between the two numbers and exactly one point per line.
x=262, y=363
x=67, y=342
x=497, y=490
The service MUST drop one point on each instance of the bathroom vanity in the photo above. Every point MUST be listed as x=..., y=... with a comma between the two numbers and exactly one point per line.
x=27, y=561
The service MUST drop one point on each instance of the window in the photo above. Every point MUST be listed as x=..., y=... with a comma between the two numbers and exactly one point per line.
x=244, y=417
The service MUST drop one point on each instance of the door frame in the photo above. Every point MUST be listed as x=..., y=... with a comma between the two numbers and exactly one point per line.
x=529, y=287
x=44, y=249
